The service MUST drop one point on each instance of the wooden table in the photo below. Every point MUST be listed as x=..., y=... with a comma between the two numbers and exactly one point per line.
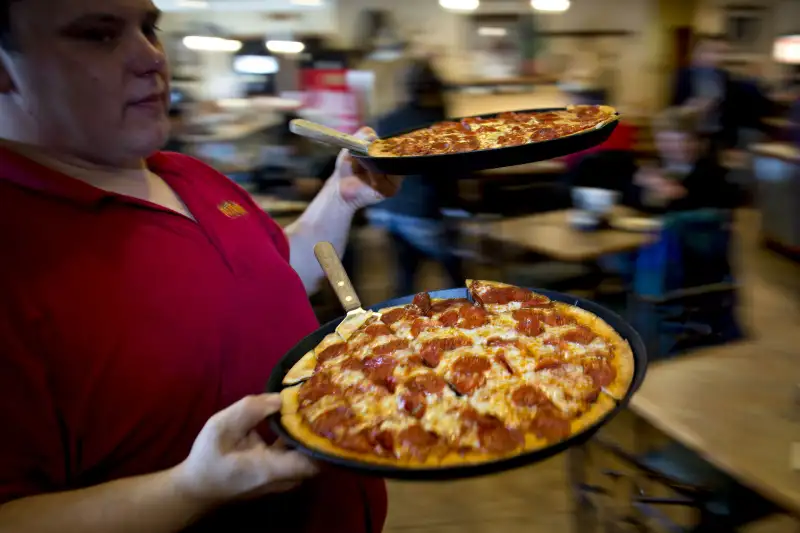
x=734, y=405
x=551, y=234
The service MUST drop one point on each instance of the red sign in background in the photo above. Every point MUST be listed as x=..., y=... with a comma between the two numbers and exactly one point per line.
x=326, y=92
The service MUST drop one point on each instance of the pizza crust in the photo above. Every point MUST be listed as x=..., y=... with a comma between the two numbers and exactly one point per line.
x=302, y=369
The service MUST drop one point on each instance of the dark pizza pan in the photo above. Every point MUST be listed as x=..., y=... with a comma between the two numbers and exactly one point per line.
x=622, y=327
x=462, y=164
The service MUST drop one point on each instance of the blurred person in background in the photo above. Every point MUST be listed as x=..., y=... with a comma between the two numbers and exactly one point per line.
x=413, y=216
x=707, y=89
x=145, y=300
x=686, y=176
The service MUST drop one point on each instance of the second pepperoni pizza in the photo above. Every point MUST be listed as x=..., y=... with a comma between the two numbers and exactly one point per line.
x=459, y=381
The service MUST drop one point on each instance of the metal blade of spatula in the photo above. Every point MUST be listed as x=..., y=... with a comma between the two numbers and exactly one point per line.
x=340, y=281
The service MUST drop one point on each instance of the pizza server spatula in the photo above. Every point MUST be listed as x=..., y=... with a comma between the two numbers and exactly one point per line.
x=324, y=134
x=340, y=281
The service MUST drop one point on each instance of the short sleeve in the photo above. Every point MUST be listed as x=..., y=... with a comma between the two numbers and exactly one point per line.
x=32, y=456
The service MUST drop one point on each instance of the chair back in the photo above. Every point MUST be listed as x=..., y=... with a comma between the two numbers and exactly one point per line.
x=693, y=250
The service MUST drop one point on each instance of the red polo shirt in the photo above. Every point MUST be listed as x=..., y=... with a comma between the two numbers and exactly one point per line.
x=125, y=326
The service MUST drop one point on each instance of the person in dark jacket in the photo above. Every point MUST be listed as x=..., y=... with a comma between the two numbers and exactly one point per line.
x=687, y=176
x=708, y=89
x=413, y=217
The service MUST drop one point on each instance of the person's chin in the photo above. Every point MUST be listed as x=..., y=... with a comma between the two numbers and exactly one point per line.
x=146, y=141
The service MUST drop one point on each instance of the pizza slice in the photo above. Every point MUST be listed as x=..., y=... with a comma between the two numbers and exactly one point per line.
x=498, y=297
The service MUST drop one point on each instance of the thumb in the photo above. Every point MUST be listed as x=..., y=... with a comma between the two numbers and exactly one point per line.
x=235, y=422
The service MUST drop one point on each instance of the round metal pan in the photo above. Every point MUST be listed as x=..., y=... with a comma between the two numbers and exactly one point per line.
x=455, y=472
x=463, y=163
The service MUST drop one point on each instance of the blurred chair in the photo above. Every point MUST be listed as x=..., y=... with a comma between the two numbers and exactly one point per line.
x=684, y=286
x=659, y=481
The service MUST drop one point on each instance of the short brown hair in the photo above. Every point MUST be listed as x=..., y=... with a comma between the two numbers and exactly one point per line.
x=676, y=119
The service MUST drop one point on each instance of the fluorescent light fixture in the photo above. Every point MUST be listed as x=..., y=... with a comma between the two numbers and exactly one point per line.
x=255, y=65
x=490, y=31
x=554, y=6
x=285, y=47
x=460, y=5
x=211, y=44
x=193, y=4
x=787, y=49
x=307, y=2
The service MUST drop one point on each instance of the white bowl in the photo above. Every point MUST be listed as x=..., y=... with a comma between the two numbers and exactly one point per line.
x=598, y=201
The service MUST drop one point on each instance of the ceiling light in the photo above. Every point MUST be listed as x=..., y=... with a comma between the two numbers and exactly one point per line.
x=193, y=4
x=550, y=5
x=460, y=5
x=255, y=65
x=211, y=44
x=285, y=47
x=307, y=2
x=489, y=31
x=787, y=49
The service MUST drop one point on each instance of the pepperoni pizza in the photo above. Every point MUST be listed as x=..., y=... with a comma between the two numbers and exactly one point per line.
x=448, y=382
x=503, y=130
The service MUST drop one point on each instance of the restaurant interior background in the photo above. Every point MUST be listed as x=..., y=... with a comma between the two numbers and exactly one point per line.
x=709, y=441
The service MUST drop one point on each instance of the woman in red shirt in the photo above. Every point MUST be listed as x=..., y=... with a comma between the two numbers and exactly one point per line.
x=144, y=300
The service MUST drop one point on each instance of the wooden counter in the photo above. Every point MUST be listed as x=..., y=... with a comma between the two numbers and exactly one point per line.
x=735, y=406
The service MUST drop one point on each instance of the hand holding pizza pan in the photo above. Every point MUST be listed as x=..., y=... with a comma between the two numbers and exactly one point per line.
x=463, y=163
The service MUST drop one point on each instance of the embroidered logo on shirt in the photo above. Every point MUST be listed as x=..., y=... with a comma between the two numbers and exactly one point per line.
x=232, y=209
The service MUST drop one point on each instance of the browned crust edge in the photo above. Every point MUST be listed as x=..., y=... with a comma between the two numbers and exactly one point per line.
x=297, y=428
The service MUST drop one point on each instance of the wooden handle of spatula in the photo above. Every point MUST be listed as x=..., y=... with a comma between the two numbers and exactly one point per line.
x=324, y=134
x=337, y=275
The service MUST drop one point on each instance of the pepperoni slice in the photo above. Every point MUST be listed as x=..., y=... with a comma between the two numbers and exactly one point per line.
x=413, y=403
x=550, y=426
x=548, y=363
x=500, y=357
x=327, y=422
x=384, y=439
x=316, y=388
x=432, y=350
x=390, y=317
x=499, y=341
x=428, y=383
x=473, y=317
x=379, y=370
x=468, y=373
x=417, y=441
x=527, y=322
x=579, y=335
x=495, y=437
x=444, y=305
x=377, y=329
x=601, y=372
x=529, y=396
x=331, y=352
x=351, y=363
x=357, y=442
x=419, y=325
x=537, y=300
x=422, y=301
x=391, y=346
x=504, y=295
x=556, y=319
x=449, y=318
